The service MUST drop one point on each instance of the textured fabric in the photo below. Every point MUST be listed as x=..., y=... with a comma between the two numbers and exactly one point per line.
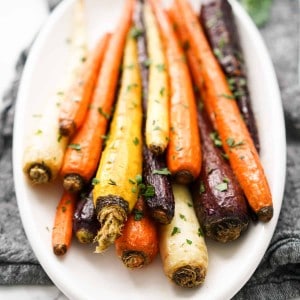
x=278, y=275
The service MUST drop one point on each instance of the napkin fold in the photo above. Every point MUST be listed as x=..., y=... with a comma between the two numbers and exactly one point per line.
x=278, y=275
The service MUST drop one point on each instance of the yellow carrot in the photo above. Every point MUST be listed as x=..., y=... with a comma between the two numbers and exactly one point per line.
x=157, y=120
x=116, y=191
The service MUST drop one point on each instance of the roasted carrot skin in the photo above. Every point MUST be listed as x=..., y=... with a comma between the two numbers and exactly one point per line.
x=85, y=223
x=138, y=244
x=84, y=150
x=219, y=201
x=155, y=173
x=237, y=142
x=184, y=151
x=62, y=229
x=218, y=23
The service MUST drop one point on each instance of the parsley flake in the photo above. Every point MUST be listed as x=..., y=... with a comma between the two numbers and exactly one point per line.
x=163, y=171
x=175, y=230
x=76, y=147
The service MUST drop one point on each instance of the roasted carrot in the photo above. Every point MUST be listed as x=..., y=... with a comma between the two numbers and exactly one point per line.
x=219, y=201
x=182, y=246
x=138, y=244
x=82, y=155
x=157, y=116
x=234, y=134
x=158, y=194
x=84, y=152
x=85, y=223
x=116, y=192
x=77, y=83
x=43, y=156
x=78, y=96
x=62, y=229
x=220, y=28
x=184, y=151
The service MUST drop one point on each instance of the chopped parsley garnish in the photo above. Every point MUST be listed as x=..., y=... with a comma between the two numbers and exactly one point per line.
x=111, y=182
x=147, y=63
x=183, y=217
x=148, y=191
x=161, y=67
x=202, y=187
x=38, y=132
x=231, y=143
x=200, y=232
x=218, y=53
x=138, y=215
x=136, y=141
x=103, y=113
x=189, y=241
x=95, y=181
x=175, y=230
x=131, y=181
x=216, y=139
x=139, y=179
x=76, y=147
x=132, y=86
x=227, y=96
x=163, y=171
x=135, y=32
x=222, y=187
x=162, y=91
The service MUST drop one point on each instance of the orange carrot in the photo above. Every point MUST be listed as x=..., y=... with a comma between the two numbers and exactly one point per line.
x=138, y=244
x=234, y=134
x=184, y=152
x=193, y=62
x=84, y=151
x=62, y=229
x=78, y=95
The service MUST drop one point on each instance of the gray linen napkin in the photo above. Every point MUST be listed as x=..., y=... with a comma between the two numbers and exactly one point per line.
x=278, y=275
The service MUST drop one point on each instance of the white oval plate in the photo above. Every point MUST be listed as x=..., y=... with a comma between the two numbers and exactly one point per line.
x=81, y=274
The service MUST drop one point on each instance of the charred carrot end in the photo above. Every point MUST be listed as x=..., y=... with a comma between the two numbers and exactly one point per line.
x=62, y=229
x=138, y=244
x=116, y=193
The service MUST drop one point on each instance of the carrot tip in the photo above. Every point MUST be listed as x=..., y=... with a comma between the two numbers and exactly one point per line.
x=39, y=173
x=265, y=214
x=134, y=259
x=183, y=177
x=73, y=183
x=60, y=249
x=189, y=276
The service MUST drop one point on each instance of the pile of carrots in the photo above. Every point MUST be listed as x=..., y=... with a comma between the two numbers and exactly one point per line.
x=150, y=145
